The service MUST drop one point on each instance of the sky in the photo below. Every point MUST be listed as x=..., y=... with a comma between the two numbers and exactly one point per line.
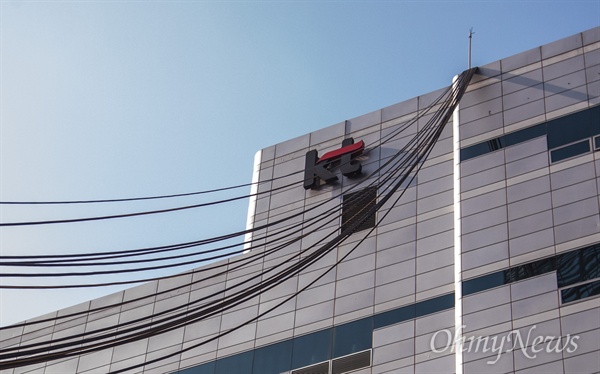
x=119, y=99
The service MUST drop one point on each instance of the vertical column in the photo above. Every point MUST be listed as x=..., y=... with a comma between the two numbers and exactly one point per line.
x=253, y=198
x=457, y=239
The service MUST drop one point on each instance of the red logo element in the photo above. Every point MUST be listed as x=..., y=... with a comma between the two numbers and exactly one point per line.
x=352, y=148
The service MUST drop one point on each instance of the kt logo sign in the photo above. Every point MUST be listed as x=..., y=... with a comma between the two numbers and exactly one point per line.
x=320, y=168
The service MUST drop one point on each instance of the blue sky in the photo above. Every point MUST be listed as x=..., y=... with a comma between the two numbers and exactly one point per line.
x=111, y=99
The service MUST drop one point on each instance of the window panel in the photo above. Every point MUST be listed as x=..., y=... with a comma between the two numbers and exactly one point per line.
x=239, y=364
x=434, y=305
x=312, y=348
x=579, y=266
x=580, y=292
x=353, y=337
x=569, y=129
x=208, y=368
x=570, y=151
x=560, y=131
x=483, y=283
x=595, y=119
x=394, y=316
x=480, y=149
x=531, y=269
x=275, y=358
x=322, y=368
x=524, y=135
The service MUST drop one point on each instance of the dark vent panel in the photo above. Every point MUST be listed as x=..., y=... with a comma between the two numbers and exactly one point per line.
x=353, y=362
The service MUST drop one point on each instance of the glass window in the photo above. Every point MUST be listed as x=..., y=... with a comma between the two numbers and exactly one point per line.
x=356, y=205
x=578, y=266
x=208, y=368
x=322, y=368
x=483, y=283
x=531, y=269
x=597, y=142
x=570, y=151
x=480, y=149
x=239, y=364
x=275, y=358
x=353, y=337
x=495, y=144
x=394, y=316
x=503, y=141
x=595, y=120
x=311, y=348
x=569, y=128
x=434, y=305
x=524, y=135
x=580, y=292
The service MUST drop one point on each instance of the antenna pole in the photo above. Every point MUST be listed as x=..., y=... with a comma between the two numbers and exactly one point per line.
x=470, y=39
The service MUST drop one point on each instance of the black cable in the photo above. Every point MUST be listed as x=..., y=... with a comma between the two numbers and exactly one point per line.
x=99, y=273
x=127, y=215
x=380, y=204
x=127, y=282
x=274, y=307
x=405, y=177
x=390, y=136
x=158, y=197
x=257, y=287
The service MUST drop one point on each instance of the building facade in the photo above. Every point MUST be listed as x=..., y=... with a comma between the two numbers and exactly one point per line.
x=485, y=260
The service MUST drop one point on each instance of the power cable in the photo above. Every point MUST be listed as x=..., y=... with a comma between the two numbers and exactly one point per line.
x=419, y=168
x=189, y=348
x=399, y=183
x=40, y=264
x=127, y=215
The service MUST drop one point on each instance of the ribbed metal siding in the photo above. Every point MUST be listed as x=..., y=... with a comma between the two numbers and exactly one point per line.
x=353, y=362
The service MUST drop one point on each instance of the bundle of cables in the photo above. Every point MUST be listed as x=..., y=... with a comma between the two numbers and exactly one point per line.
x=391, y=179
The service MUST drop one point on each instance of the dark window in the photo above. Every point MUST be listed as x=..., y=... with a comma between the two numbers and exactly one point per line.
x=595, y=120
x=569, y=129
x=507, y=276
x=503, y=141
x=531, y=269
x=495, y=144
x=578, y=266
x=359, y=207
x=570, y=151
x=352, y=337
x=239, y=364
x=560, y=131
x=208, y=368
x=597, y=142
x=434, y=305
x=580, y=292
x=484, y=283
x=479, y=149
x=394, y=316
x=275, y=358
x=524, y=135
x=322, y=368
x=312, y=348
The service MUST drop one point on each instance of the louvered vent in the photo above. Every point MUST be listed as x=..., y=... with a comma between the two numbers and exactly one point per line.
x=322, y=368
x=353, y=362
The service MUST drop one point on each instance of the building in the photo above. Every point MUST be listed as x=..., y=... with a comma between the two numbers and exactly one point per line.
x=495, y=240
